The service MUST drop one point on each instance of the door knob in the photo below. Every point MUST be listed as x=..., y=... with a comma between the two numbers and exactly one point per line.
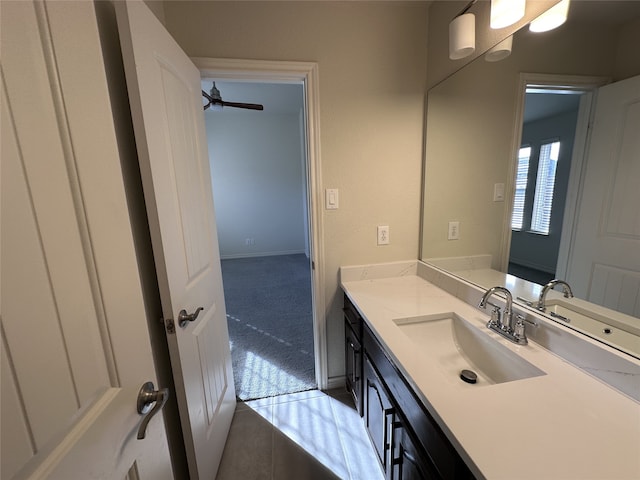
x=184, y=318
x=150, y=402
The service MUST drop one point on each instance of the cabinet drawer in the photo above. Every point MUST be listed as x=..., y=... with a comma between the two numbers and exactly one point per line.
x=352, y=317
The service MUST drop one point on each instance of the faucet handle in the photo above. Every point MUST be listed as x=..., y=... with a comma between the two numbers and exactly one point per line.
x=495, y=307
x=528, y=303
x=496, y=313
x=519, y=332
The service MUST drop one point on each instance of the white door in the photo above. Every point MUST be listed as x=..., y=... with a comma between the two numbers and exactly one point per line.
x=604, y=260
x=75, y=339
x=164, y=88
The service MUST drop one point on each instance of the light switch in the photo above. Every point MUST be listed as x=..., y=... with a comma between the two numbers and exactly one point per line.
x=331, y=199
x=498, y=192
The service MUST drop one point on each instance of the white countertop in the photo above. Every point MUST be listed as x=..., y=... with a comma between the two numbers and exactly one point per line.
x=562, y=425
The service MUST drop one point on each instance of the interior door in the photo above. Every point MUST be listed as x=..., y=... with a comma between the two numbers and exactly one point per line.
x=75, y=346
x=604, y=265
x=164, y=90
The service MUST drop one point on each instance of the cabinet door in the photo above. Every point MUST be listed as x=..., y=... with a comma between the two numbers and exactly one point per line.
x=409, y=462
x=353, y=359
x=378, y=414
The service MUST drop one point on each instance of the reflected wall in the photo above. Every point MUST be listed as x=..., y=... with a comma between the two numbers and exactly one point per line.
x=471, y=123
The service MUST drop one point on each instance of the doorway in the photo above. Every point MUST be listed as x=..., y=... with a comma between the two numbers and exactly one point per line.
x=259, y=177
x=542, y=178
x=547, y=96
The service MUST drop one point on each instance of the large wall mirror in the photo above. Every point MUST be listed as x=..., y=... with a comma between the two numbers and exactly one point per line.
x=523, y=128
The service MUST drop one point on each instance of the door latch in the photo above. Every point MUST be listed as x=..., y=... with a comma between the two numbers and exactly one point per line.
x=150, y=402
x=184, y=318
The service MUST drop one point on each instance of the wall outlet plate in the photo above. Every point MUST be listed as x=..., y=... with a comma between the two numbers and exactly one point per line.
x=383, y=234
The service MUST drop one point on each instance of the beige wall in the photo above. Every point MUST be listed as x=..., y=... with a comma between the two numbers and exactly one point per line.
x=157, y=7
x=627, y=58
x=372, y=69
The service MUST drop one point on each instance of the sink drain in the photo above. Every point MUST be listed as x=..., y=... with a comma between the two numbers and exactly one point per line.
x=468, y=376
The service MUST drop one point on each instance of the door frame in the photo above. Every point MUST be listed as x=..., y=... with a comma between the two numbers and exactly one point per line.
x=307, y=73
x=589, y=86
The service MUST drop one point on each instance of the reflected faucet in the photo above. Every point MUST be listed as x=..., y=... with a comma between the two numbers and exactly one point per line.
x=566, y=289
x=502, y=322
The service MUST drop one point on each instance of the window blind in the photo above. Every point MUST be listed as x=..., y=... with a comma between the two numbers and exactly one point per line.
x=545, y=181
x=517, y=217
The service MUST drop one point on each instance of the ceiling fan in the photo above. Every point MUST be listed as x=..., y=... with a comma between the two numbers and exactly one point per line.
x=215, y=100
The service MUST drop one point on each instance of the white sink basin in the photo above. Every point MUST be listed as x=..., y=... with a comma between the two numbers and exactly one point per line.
x=454, y=344
x=594, y=325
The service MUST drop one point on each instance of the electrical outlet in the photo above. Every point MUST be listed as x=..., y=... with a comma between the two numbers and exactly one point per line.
x=383, y=235
x=249, y=241
x=454, y=231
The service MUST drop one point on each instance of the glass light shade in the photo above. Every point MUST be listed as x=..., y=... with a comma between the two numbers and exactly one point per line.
x=462, y=36
x=500, y=51
x=506, y=12
x=552, y=18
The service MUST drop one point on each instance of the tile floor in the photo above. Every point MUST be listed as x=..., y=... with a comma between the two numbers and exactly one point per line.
x=307, y=435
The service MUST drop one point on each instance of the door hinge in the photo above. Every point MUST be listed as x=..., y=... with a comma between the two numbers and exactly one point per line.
x=313, y=265
x=170, y=326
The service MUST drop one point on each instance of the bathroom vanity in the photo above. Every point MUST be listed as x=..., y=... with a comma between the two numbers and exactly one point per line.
x=528, y=411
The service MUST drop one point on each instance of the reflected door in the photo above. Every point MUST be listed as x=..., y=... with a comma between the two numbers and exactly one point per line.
x=604, y=261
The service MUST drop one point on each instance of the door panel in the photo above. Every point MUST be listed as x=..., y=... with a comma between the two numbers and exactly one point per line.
x=75, y=341
x=96, y=430
x=164, y=88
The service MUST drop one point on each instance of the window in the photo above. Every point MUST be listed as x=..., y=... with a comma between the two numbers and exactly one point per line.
x=521, y=188
x=543, y=199
x=537, y=217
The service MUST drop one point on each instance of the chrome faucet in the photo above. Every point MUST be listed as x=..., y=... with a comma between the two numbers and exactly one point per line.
x=503, y=318
x=502, y=322
x=566, y=289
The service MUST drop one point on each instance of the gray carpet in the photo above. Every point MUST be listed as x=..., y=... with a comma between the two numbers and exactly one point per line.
x=269, y=313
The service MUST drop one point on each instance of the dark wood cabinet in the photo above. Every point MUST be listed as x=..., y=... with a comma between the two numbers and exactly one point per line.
x=353, y=353
x=408, y=441
x=378, y=415
x=408, y=460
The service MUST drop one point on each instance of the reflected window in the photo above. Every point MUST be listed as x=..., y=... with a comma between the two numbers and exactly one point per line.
x=534, y=214
x=545, y=182
x=517, y=218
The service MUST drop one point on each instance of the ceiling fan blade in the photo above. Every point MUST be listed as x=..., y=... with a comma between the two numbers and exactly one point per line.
x=210, y=99
x=249, y=106
x=214, y=99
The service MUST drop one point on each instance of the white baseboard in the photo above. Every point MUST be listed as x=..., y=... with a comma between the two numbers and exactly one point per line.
x=336, y=382
x=533, y=265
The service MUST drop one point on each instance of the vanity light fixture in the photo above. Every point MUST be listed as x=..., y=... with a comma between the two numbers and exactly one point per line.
x=506, y=12
x=552, y=18
x=500, y=51
x=462, y=34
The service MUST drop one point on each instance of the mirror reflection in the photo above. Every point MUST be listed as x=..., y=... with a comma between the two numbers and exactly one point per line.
x=531, y=193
